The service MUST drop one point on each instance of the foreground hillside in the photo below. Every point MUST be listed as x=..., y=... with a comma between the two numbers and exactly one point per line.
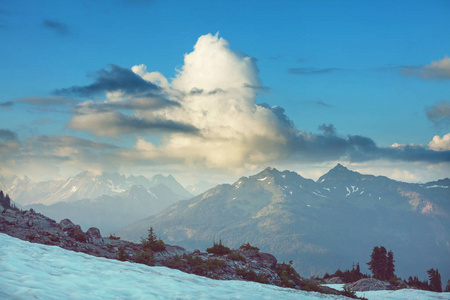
x=47, y=272
x=322, y=225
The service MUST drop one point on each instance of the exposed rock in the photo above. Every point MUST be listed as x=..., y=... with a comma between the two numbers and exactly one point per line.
x=93, y=236
x=2, y=209
x=334, y=280
x=268, y=259
x=66, y=225
x=368, y=284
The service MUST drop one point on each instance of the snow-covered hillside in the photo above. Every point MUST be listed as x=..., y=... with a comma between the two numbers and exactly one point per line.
x=47, y=272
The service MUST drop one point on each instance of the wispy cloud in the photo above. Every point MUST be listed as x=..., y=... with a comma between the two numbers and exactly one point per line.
x=6, y=104
x=313, y=71
x=59, y=28
x=48, y=101
x=319, y=103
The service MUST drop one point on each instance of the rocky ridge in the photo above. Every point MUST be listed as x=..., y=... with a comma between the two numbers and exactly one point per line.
x=239, y=264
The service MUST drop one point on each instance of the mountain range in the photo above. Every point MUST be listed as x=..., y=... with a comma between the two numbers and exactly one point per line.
x=108, y=201
x=321, y=225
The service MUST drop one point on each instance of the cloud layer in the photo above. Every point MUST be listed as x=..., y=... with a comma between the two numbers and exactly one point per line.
x=206, y=117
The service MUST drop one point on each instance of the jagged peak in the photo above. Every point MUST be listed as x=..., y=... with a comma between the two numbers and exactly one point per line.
x=338, y=172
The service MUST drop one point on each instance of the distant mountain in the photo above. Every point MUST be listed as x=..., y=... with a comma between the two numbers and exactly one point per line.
x=85, y=185
x=108, y=201
x=322, y=225
x=111, y=212
x=199, y=188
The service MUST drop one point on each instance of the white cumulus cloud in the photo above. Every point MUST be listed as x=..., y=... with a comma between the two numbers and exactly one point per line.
x=437, y=69
x=216, y=90
x=440, y=143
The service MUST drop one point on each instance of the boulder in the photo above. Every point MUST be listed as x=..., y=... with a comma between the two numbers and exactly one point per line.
x=368, y=284
x=66, y=225
x=93, y=236
x=268, y=259
x=334, y=280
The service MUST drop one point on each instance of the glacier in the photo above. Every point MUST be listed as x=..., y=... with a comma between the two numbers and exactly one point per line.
x=36, y=271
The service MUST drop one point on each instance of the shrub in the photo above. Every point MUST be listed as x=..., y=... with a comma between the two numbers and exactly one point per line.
x=248, y=247
x=152, y=242
x=114, y=237
x=218, y=249
x=122, y=255
x=145, y=257
x=236, y=257
x=31, y=237
x=251, y=275
x=79, y=235
x=289, y=277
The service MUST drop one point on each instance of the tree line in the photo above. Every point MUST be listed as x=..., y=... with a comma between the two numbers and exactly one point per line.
x=382, y=266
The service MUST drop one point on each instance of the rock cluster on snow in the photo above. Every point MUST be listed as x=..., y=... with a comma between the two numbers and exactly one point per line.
x=368, y=284
x=239, y=264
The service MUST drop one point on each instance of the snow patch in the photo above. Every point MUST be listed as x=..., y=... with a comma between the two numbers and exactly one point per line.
x=348, y=192
x=436, y=186
x=262, y=179
x=319, y=195
x=35, y=271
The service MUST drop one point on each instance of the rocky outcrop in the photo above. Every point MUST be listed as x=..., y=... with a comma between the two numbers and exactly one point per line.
x=66, y=225
x=368, y=284
x=334, y=280
x=93, y=236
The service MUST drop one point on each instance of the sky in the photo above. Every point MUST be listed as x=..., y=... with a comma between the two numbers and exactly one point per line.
x=209, y=90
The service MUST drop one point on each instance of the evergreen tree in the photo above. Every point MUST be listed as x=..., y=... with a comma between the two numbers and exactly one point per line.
x=435, y=280
x=447, y=288
x=390, y=267
x=382, y=263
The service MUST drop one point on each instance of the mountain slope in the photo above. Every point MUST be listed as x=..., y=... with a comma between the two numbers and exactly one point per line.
x=322, y=225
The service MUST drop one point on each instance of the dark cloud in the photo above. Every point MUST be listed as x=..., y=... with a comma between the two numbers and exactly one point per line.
x=115, y=123
x=313, y=71
x=6, y=104
x=278, y=111
x=439, y=113
x=328, y=129
x=56, y=26
x=48, y=101
x=49, y=142
x=142, y=104
x=310, y=147
x=8, y=141
x=258, y=87
x=118, y=79
x=7, y=135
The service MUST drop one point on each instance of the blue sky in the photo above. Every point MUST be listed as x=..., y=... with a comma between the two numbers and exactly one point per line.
x=378, y=70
